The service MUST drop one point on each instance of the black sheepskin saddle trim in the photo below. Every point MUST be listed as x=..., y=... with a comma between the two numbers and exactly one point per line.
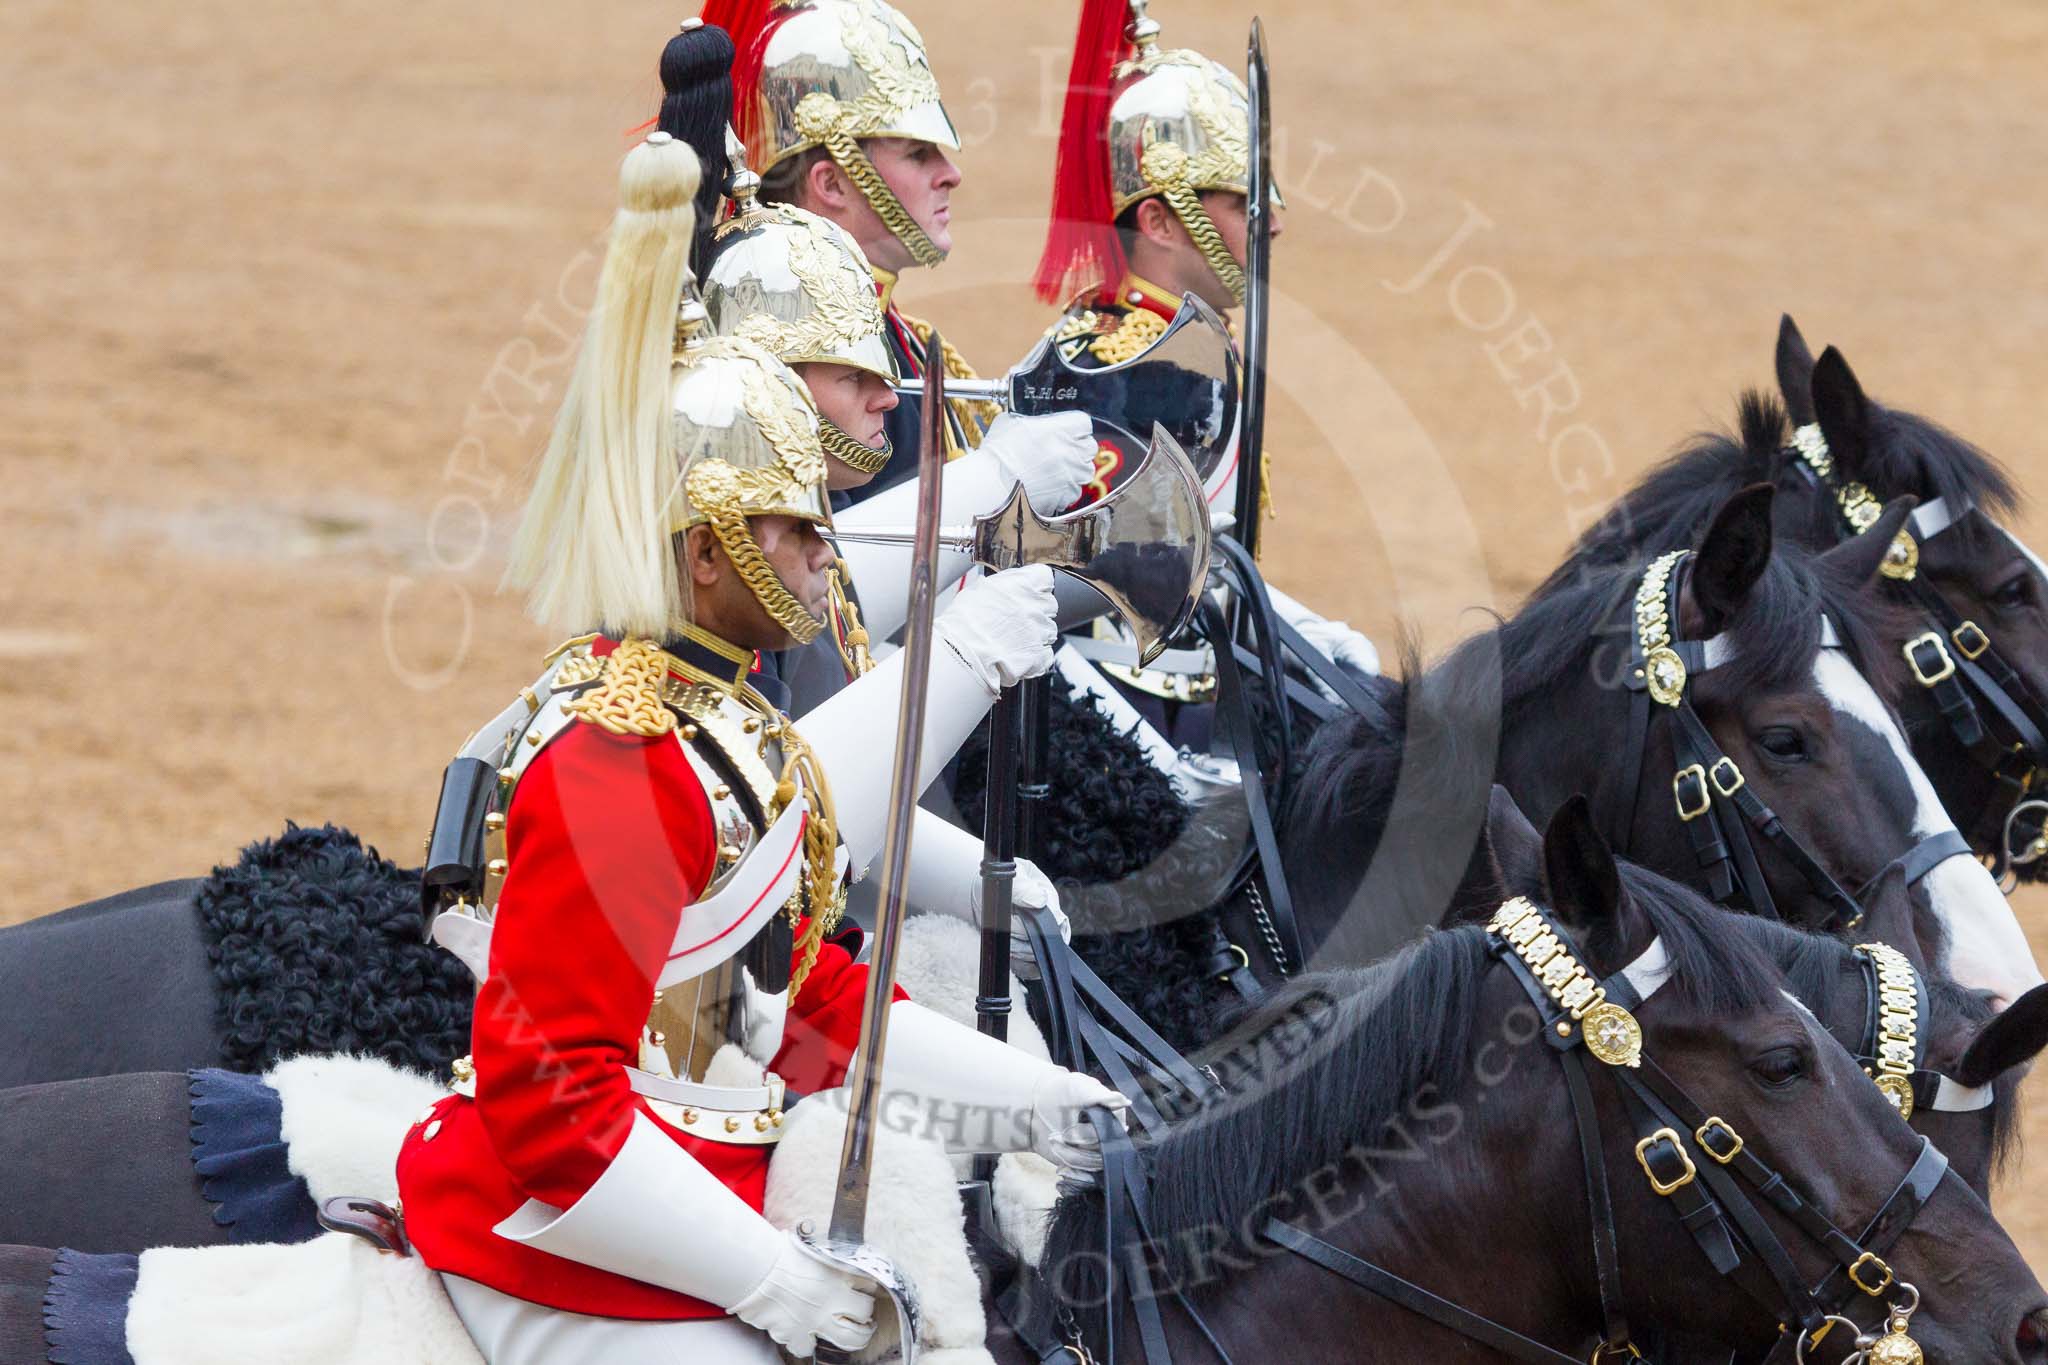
x=1139, y=873
x=315, y=945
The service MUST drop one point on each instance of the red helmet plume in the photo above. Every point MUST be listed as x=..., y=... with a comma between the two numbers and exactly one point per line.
x=749, y=22
x=1081, y=244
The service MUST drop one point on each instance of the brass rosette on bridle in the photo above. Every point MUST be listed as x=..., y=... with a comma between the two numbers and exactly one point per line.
x=1610, y=1032
x=747, y=440
x=837, y=71
x=1860, y=507
x=1180, y=126
x=1898, y=1024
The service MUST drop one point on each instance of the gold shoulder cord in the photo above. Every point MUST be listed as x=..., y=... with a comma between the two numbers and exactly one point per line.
x=974, y=415
x=821, y=892
x=847, y=631
x=627, y=698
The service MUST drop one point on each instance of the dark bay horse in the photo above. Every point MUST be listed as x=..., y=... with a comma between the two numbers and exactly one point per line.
x=1424, y=1126
x=1976, y=706
x=1815, y=794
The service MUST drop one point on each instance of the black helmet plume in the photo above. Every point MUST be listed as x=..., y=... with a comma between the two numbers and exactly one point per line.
x=696, y=104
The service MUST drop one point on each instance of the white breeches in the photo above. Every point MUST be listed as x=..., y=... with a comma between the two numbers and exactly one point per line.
x=511, y=1331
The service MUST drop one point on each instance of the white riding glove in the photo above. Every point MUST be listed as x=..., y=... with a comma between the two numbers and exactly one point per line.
x=1335, y=639
x=657, y=1215
x=1004, y=626
x=977, y=1095
x=1052, y=455
x=804, y=1301
x=945, y=879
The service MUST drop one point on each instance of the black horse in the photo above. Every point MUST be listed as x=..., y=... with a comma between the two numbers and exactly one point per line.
x=1829, y=794
x=1418, y=1121
x=1974, y=703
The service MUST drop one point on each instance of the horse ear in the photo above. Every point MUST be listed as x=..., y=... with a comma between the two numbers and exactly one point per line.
x=1795, y=371
x=1859, y=557
x=1843, y=413
x=1516, y=845
x=2012, y=1038
x=1584, y=886
x=1732, y=556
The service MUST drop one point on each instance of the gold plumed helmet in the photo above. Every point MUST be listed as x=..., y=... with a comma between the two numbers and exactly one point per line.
x=798, y=286
x=1179, y=124
x=746, y=437
x=830, y=73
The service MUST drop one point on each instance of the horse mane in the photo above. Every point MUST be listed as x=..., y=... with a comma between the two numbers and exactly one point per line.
x=1812, y=964
x=1910, y=453
x=1674, y=502
x=1376, y=1036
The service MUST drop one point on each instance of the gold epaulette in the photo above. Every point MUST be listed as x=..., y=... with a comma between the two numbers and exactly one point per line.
x=1117, y=336
x=973, y=416
x=628, y=697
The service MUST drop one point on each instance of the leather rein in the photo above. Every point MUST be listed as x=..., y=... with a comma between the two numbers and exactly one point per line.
x=1722, y=817
x=1714, y=1194
x=1954, y=660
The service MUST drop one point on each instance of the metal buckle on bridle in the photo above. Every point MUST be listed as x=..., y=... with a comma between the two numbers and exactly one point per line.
x=1625, y=1351
x=1664, y=1187
x=1718, y=1126
x=1942, y=669
x=1856, y=1278
x=1970, y=639
x=1726, y=785
x=1691, y=779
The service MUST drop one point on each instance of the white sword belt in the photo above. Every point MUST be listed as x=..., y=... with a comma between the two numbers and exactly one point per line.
x=742, y=1115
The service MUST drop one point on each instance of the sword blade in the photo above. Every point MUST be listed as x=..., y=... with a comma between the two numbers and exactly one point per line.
x=856, y=1156
x=1258, y=253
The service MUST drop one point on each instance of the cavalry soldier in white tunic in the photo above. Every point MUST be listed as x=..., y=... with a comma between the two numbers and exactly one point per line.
x=658, y=859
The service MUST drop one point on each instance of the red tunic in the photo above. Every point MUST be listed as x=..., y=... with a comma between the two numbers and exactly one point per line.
x=608, y=840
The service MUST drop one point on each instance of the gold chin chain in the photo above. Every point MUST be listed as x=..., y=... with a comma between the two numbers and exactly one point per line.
x=858, y=456
x=761, y=579
x=1186, y=203
x=803, y=774
x=861, y=171
x=1898, y=1013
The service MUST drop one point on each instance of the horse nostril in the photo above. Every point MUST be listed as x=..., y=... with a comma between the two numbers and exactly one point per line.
x=2032, y=1338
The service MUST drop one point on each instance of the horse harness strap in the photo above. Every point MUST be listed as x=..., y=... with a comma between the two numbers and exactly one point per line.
x=1956, y=661
x=1709, y=1193
x=1893, y=1051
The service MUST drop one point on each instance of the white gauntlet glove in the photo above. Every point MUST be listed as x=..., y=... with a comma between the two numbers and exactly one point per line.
x=1340, y=642
x=979, y=1095
x=1051, y=455
x=1004, y=627
x=805, y=1300
x=1060, y=1129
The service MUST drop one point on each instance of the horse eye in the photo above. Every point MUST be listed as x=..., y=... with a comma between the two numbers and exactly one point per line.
x=1779, y=1067
x=2016, y=591
x=1784, y=743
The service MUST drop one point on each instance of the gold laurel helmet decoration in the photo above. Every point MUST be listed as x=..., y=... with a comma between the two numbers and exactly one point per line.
x=798, y=286
x=747, y=437
x=1181, y=124
x=837, y=71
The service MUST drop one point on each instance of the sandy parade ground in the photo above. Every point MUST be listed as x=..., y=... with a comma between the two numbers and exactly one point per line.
x=292, y=292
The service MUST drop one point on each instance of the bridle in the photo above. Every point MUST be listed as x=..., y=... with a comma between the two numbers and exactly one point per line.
x=1721, y=815
x=1894, y=1049
x=1954, y=660
x=1714, y=1194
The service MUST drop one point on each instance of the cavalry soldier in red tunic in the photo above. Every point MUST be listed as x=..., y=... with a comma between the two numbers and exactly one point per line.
x=658, y=866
